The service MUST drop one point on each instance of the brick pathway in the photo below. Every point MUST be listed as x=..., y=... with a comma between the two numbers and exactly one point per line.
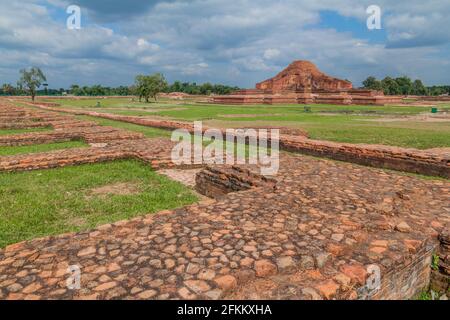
x=309, y=237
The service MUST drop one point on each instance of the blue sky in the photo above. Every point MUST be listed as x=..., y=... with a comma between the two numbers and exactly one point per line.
x=237, y=42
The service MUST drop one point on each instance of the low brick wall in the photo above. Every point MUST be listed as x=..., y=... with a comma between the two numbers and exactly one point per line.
x=440, y=277
x=405, y=280
x=402, y=159
x=217, y=181
x=409, y=160
x=62, y=158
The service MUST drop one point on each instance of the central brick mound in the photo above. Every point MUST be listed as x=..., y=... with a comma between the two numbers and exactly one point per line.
x=311, y=232
x=303, y=74
x=302, y=82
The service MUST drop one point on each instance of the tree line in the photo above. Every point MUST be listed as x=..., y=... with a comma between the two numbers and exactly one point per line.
x=145, y=86
x=404, y=86
x=148, y=86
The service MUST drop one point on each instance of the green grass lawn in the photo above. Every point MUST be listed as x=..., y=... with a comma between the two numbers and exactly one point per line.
x=4, y=132
x=352, y=124
x=14, y=150
x=50, y=202
x=149, y=132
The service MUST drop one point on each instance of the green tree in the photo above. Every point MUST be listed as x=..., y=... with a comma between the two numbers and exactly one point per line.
x=405, y=85
x=75, y=90
x=32, y=80
x=390, y=86
x=149, y=86
x=8, y=89
x=372, y=83
x=418, y=88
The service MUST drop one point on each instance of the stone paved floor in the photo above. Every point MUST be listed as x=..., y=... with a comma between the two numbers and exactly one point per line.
x=310, y=237
x=323, y=223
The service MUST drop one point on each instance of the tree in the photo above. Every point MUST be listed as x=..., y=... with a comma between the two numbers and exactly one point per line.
x=405, y=85
x=390, y=86
x=372, y=83
x=32, y=80
x=418, y=88
x=75, y=90
x=8, y=89
x=149, y=86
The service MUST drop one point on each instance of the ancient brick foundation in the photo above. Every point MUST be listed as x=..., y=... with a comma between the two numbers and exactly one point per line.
x=215, y=181
x=433, y=163
x=440, y=277
x=107, y=143
x=406, y=280
x=309, y=234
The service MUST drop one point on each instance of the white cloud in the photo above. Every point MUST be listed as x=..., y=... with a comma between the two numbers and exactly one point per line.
x=237, y=42
x=271, y=53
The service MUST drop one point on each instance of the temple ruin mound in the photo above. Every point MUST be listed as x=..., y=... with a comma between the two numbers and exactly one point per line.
x=302, y=82
x=303, y=75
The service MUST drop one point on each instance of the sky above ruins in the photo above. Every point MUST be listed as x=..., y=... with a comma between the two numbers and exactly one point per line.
x=237, y=42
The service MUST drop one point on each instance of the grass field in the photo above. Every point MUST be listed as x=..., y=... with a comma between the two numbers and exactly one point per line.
x=49, y=202
x=14, y=150
x=149, y=132
x=387, y=125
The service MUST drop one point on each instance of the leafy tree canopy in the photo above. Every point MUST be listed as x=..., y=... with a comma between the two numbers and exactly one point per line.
x=31, y=80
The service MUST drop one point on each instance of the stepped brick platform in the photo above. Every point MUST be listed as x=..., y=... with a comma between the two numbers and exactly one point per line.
x=426, y=162
x=311, y=232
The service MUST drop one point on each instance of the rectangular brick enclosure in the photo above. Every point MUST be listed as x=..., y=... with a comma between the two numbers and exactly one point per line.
x=317, y=230
x=426, y=162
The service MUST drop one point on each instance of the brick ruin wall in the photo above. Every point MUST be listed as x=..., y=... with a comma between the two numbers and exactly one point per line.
x=424, y=162
x=440, y=275
x=215, y=182
x=404, y=280
x=106, y=143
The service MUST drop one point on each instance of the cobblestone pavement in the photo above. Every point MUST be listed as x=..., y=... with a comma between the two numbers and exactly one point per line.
x=321, y=226
x=186, y=177
x=310, y=237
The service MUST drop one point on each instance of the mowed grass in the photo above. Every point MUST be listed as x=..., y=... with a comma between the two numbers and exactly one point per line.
x=351, y=124
x=149, y=132
x=15, y=150
x=4, y=132
x=50, y=202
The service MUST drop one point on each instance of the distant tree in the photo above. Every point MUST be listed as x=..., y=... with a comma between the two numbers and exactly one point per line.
x=149, y=86
x=8, y=89
x=418, y=88
x=390, y=86
x=75, y=90
x=405, y=85
x=372, y=83
x=32, y=80
x=438, y=90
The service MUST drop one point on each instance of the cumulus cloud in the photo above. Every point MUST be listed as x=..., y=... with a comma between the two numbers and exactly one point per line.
x=237, y=42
